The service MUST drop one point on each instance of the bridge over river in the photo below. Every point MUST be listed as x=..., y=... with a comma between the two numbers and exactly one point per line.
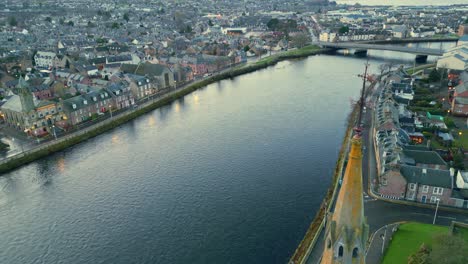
x=361, y=48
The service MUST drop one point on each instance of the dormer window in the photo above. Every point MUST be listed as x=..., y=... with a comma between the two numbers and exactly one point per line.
x=102, y=96
x=139, y=83
x=74, y=106
x=117, y=92
x=147, y=80
x=106, y=94
x=94, y=99
x=85, y=102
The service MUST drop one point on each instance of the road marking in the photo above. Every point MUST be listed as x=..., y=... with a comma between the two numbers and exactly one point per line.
x=421, y=214
x=447, y=217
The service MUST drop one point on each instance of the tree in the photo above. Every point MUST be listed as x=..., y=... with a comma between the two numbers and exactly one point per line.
x=115, y=25
x=301, y=39
x=61, y=21
x=126, y=17
x=449, y=249
x=48, y=19
x=246, y=48
x=434, y=75
x=343, y=29
x=273, y=24
x=12, y=21
x=71, y=23
x=210, y=23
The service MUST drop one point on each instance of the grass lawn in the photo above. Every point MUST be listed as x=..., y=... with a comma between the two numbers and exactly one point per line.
x=408, y=239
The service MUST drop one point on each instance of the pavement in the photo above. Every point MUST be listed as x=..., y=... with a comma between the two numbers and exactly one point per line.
x=381, y=213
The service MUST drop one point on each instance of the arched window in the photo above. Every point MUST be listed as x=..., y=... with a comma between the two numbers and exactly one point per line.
x=355, y=252
x=340, y=251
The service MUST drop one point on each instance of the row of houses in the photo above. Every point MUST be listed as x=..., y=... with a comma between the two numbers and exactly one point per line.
x=408, y=170
x=63, y=104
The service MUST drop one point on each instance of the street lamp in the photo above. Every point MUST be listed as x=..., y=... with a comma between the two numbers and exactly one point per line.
x=383, y=238
x=55, y=134
x=435, y=214
x=37, y=138
x=110, y=109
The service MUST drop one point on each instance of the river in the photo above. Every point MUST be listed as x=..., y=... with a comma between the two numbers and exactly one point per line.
x=232, y=173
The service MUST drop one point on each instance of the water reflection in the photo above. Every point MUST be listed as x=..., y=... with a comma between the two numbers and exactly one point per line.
x=42, y=175
x=116, y=139
x=164, y=112
x=151, y=121
x=196, y=99
x=61, y=164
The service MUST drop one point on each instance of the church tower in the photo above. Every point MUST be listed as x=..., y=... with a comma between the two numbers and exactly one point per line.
x=26, y=97
x=347, y=230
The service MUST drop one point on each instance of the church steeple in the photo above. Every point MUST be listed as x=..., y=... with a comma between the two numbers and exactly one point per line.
x=347, y=231
x=26, y=97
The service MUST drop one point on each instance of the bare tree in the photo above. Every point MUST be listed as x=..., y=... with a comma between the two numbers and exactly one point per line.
x=301, y=39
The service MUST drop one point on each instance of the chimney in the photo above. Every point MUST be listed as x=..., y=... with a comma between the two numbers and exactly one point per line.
x=452, y=176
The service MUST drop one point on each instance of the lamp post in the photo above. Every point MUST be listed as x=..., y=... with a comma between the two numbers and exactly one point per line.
x=435, y=214
x=37, y=138
x=383, y=239
x=110, y=109
x=55, y=134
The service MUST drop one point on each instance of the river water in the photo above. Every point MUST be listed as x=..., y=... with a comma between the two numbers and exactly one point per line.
x=232, y=173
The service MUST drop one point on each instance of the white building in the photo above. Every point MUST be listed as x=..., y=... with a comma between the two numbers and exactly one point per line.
x=327, y=37
x=454, y=59
x=44, y=59
x=462, y=179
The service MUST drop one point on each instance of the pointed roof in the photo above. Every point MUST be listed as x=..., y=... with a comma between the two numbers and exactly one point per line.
x=22, y=83
x=349, y=209
x=347, y=229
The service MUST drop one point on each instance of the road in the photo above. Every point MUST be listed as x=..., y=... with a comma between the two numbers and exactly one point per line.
x=380, y=213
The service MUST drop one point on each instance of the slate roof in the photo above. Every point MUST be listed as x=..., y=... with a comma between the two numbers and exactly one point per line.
x=144, y=69
x=424, y=157
x=463, y=87
x=432, y=177
x=100, y=60
x=90, y=98
x=461, y=100
x=13, y=103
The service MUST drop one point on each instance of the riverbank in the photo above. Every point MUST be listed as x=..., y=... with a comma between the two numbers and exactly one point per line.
x=312, y=233
x=108, y=124
x=414, y=40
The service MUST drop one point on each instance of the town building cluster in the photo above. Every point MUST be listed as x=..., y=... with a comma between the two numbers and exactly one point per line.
x=408, y=168
x=380, y=23
x=64, y=68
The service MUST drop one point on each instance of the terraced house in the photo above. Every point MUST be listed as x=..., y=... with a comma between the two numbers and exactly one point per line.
x=85, y=107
